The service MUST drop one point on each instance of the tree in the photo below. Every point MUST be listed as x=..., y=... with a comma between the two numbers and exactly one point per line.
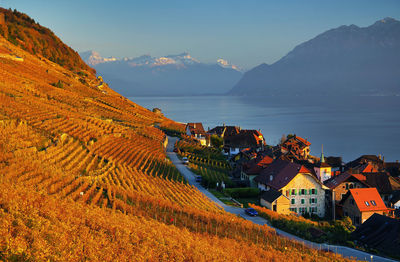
x=217, y=141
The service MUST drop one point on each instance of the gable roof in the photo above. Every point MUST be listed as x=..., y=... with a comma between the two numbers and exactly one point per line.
x=195, y=128
x=393, y=168
x=256, y=165
x=271, y=195
x=225, y=130
x=245, y=138
x=282, y=172
x=383, y=182
x=335, y=181
x=381, y=233
x=365, y=159
x=367, y=199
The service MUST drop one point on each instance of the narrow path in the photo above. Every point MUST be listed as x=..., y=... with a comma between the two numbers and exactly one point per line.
x=191, y=178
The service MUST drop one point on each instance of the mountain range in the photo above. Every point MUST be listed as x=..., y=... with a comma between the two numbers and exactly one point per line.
x=167, y=75
x=345, y=60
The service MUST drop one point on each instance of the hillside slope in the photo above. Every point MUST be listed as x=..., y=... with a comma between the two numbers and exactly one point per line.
x=23, y=31
x=84, y=176
x=346, y=60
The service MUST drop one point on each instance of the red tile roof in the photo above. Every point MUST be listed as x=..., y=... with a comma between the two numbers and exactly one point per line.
x=343, y=177
x=368, y=199
x=303, y=169
x=256, y=165
x=360, y=177
x=196, y=128
x=304, y=141
x=368, y=168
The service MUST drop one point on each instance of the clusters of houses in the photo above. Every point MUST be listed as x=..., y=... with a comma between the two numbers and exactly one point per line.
x=291, y=180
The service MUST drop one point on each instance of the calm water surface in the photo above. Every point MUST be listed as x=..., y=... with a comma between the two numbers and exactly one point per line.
x=346, y=126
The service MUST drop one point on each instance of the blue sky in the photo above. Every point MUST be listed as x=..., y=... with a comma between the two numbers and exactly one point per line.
x=245, y=33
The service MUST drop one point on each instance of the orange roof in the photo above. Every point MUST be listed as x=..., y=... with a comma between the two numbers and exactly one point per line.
x=303, y=169
x=369, y=169
x=303, y=140
x=359, y=177
x=368, y=199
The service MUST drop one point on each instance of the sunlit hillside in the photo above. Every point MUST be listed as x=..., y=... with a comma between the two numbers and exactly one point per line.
x=84, y=175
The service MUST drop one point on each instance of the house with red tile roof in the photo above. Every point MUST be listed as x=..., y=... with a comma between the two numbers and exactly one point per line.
x=244, y=139
x=365, y=164
x=384, y=183
x=294, y=147
x=253, y=167
x=305, y=192
x=361, y=203
x=196, y=131
x=339, y=186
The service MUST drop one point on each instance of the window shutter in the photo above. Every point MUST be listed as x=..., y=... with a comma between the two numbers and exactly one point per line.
x=310, y=201
x=295, y=192
x=315, y=200
x=316, y=192
x=310, y=191
x=305, y=191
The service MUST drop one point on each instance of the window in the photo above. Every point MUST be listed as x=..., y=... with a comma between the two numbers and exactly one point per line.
x=304, y=192
x=366, y=203
x=293, y=192
x=313, y=209
x=271, y=177
x=303, y=210
x=303, y=201
x=373, y=203
x=293, y=209
x=313, y=200
x=352, y=201
x=313, y=191
x=293, y=201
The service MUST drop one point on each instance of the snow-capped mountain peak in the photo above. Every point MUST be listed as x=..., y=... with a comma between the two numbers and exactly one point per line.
x=225, y=64
x=93, y=58
x=179, y=61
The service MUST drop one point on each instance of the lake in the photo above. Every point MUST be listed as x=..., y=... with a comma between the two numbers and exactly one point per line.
x=346, y=126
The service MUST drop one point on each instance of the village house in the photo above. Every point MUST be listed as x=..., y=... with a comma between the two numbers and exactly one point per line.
x=245, y=139
x=381, y=233
x=365, y=164
x=275, y=201
x=224, y=130
x=394, y=202
x=293, y=148
x=196, y=131
x=361, y=203
x=297, y=183
x=384, y=183
x=339, y=186
x=252, y=168
x=393, y=168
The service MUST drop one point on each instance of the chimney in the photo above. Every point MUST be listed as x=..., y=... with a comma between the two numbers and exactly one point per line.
x=194, y=125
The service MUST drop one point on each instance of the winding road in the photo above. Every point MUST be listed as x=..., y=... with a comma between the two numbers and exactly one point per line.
x=191, y=178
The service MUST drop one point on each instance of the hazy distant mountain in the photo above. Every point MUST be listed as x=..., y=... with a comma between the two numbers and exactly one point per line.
x=345, y=60
x=168, y=75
